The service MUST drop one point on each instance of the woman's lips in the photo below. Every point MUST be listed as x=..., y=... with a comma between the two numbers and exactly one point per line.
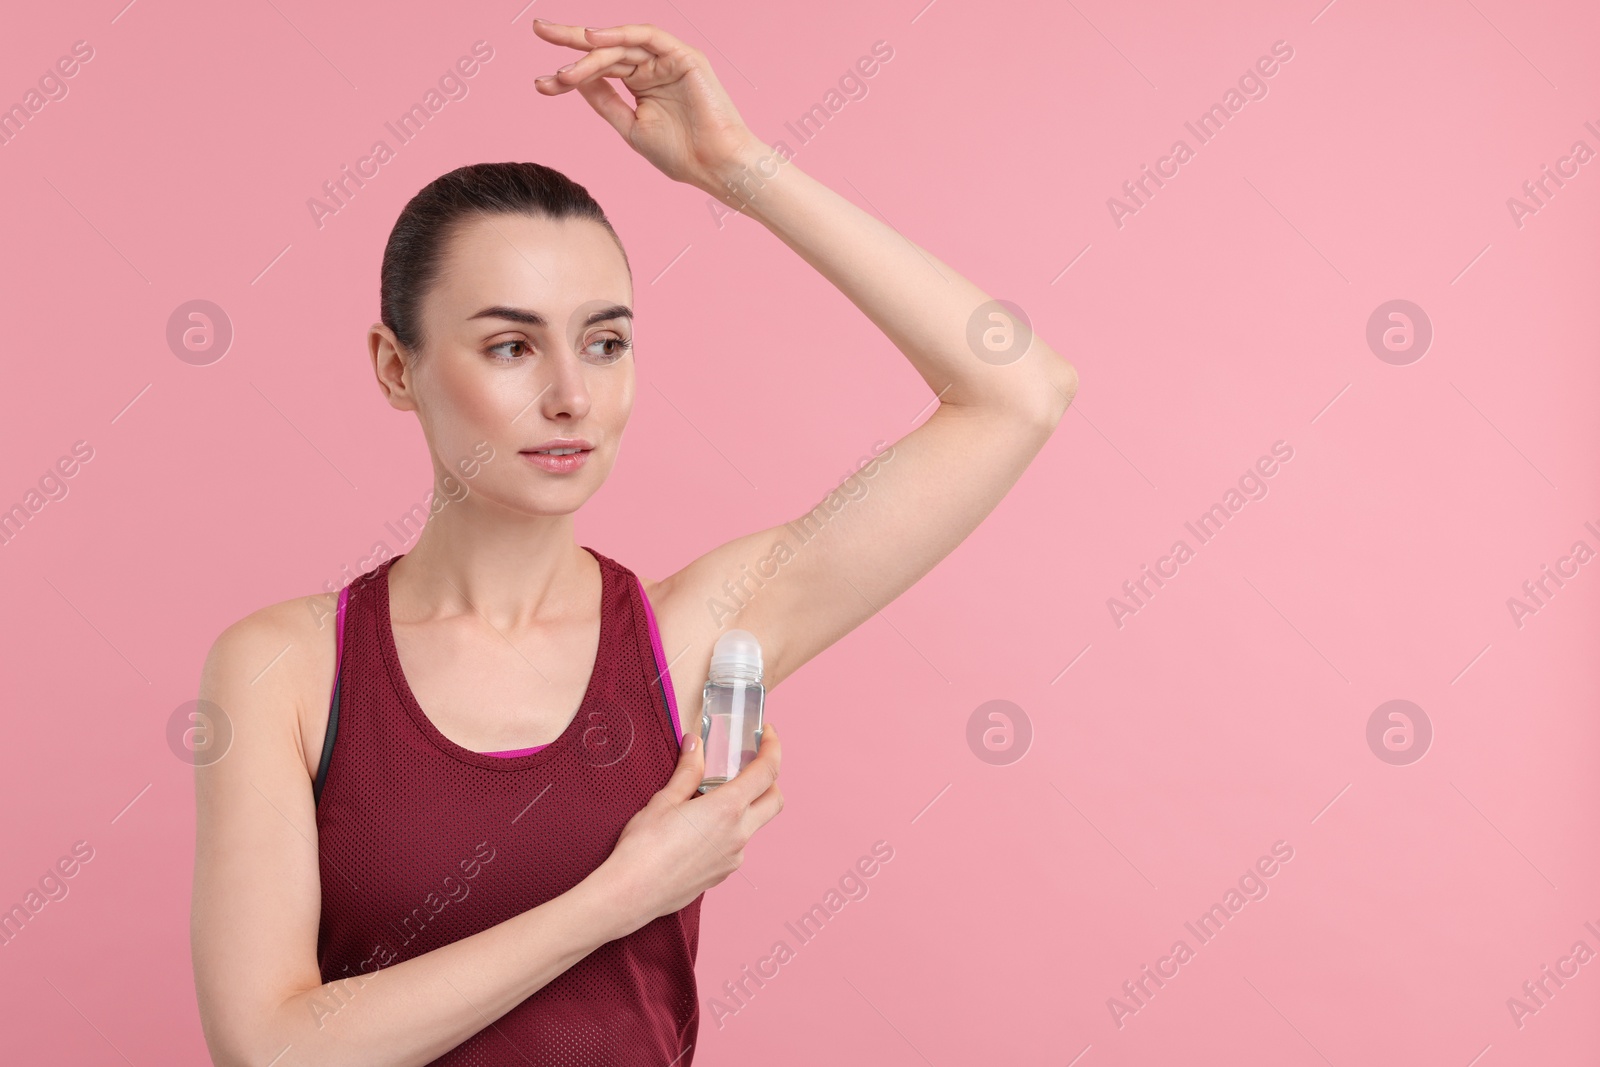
x=557, y=464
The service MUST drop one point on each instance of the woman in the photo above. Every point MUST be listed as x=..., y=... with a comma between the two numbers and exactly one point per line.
x=514, y=875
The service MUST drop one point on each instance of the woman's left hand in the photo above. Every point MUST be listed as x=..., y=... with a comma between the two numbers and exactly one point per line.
x=682, y=120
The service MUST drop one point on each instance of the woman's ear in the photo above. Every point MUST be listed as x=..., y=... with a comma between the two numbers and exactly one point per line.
x=391, y=367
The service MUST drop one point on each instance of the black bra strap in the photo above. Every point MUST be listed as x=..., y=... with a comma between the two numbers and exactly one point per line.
x=327, y=742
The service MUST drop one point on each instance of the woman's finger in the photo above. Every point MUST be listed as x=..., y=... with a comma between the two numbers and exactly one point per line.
x=610, y=106
x=560, y=33
x=644, y=35
x=762, y=810
x=598, y=60
x=765, y=807
x=556, y=84
x=573, y=37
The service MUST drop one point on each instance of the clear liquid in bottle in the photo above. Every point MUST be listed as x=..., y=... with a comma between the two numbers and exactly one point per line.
x=730, y=715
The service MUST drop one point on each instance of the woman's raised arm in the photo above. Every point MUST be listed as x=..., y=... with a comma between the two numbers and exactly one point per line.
x=925, y=493
x=1000, y=392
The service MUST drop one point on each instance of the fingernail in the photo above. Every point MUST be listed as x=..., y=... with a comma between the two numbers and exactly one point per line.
x=566, y=68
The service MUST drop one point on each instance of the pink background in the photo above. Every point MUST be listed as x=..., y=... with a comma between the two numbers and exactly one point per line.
x=1227, y=314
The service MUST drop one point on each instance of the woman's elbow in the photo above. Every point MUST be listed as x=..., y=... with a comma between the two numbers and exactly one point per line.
x=239, y=1035
x=1057, y=393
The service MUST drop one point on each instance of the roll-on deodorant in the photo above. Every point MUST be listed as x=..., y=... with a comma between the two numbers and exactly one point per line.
x=730, y=715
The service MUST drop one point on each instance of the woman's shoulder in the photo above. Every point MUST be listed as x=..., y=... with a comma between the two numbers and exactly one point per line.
x=297, y=627
x=282, y=654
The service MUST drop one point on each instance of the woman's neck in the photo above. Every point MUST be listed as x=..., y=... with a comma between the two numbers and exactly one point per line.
x=510, y=575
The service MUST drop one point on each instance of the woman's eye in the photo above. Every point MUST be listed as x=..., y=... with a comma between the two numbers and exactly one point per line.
x=610, y=349
x=620, y=346
x=507, y=344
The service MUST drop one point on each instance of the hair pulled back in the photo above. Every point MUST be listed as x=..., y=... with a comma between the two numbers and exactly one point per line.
x=414, y=255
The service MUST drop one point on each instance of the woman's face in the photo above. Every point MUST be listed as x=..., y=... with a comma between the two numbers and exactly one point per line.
x=526, y=335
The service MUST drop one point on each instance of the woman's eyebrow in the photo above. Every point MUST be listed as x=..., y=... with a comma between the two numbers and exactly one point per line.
x=534, y=319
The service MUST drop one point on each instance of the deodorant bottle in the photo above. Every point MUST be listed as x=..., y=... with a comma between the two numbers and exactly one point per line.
x=730, y=715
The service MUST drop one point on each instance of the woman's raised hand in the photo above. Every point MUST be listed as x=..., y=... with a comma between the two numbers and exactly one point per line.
x=682, y=120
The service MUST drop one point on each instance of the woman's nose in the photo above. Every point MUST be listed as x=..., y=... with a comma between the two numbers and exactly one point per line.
x=566, y=392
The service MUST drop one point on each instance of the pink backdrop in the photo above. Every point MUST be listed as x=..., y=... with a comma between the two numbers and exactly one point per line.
x=1164, y=750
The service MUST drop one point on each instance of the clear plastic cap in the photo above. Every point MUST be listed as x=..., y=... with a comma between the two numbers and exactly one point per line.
x=737, y=654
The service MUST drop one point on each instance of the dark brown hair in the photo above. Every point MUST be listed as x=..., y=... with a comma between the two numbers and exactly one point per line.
x=415, y=253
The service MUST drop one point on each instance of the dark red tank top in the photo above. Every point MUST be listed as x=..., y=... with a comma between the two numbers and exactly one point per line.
x=423, y=842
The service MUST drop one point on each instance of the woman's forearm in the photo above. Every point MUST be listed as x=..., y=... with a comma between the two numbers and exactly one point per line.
x=411, y=1013
x=923, y=306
